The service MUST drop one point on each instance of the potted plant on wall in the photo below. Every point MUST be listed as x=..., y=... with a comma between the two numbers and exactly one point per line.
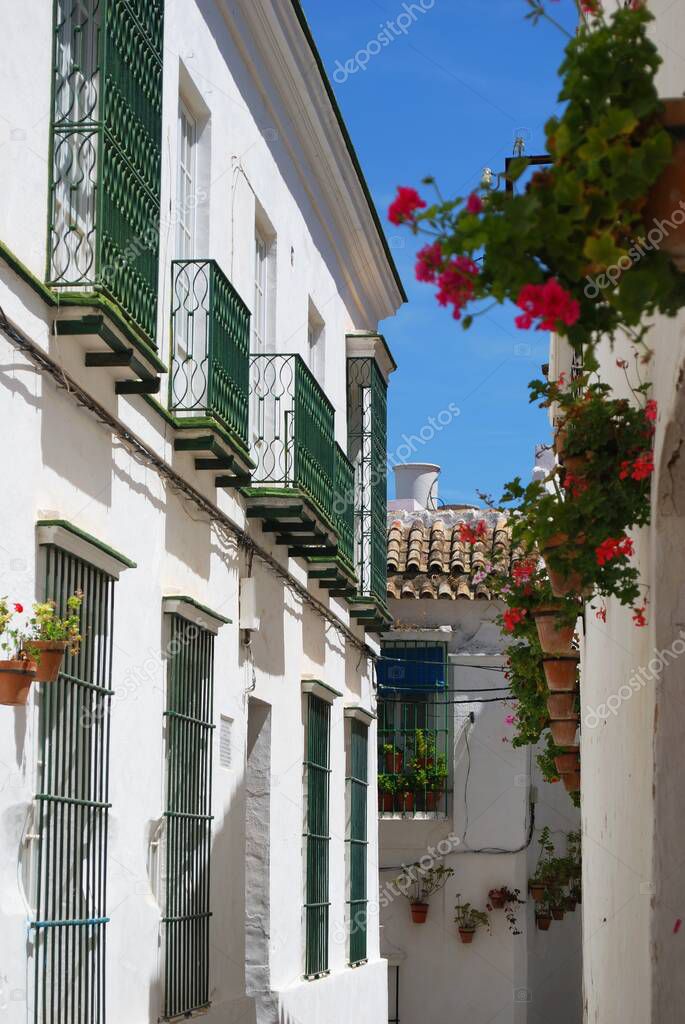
x=387, y=790
x=18, y=670
x=543, y=917
x=419, y=884
x=507, y=900
x=546, y=868
x=468, y=920
x=49, y=636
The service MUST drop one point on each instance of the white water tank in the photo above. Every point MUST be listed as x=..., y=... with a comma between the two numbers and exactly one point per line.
x=416, y=486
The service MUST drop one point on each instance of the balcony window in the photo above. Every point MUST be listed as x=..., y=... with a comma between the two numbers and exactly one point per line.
x=414, y=749
x=186, y=183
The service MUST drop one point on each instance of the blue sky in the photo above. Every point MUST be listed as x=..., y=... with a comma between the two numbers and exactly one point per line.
x=447, y=98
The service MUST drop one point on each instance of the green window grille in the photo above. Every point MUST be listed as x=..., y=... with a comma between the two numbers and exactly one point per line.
x=104, y=204
x=210, y=327
x=367, y=447
x=189, y=728
x=343, y=506
x=358, y=784
x=316, y=835
x=68, y=932
x=292, y=428
x=414, y=746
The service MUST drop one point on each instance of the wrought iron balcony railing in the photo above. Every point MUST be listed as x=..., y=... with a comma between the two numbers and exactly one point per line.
x=291, y=428
x=343, y=505
x=210, y=332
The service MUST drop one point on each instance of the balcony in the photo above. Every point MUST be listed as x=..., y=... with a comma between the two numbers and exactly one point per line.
x=299, y=470
x=208, y=383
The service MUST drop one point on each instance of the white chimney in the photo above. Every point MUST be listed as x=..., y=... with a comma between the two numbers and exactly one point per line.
x=416, y=487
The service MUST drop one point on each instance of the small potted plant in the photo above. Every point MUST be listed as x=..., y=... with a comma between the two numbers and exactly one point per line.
x=546, y=868
x=387, y=791
x=17, y=670
x=436, y=780
x=558, y=906
x=543, y=917
x=468, y=920
x=507, y=900
x=394, y=758
x=49, y=636
x=419, y=884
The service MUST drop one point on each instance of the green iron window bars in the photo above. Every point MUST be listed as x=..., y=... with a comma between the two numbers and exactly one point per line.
x=189, y=727
x=317, y=834
x=414, y=748
x=210, y=327
x=367, y=447
x=68, y=933
x=105, y=164
x=292, y=428
x=358, y=784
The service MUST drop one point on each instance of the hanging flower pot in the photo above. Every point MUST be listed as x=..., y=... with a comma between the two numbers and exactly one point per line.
x=419, y=912
x=567, y=762
x=537, y=891
x=561, y=674
x=561, y=706
x=577, y=465
x=466, y=935
x=554, y=638
x=558, y=913
x=49, y=660
x=543, y=921
x=562, y=582
x=16, y=677
x=668, y=192
x=394, y=760
x=572, y=782
x=497, y=898
x=570, y=904
x=564, y=733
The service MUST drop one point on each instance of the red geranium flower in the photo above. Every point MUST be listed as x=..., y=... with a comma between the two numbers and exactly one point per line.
x=639, y=469
x=601, y=613
x=429, y=262
x=19, y=608
x=523, y=571
x=456, y=284
x=512, y=617
x=404, y=205
x=651, y=410
x=548, y=303
x=639, y=616
x=469, y=534
x=474, y=203
x=613, y=547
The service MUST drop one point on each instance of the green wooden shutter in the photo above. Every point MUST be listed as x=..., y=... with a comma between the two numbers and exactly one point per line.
x=358, y=784
x=105, y=174
x=317, y=837
x=189, y=712
x=73, y=803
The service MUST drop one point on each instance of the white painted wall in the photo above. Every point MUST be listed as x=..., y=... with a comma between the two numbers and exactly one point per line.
x=525, y=979
x=62, y=462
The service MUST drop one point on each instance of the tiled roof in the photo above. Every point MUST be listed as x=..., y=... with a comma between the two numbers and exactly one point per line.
x=427, y=558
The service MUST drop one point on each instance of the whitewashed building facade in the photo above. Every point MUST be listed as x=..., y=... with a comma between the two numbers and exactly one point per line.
x=442, y=672
x=192, y=400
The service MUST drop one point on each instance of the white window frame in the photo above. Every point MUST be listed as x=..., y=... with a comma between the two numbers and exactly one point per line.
x=186, y=184
x=260, y=320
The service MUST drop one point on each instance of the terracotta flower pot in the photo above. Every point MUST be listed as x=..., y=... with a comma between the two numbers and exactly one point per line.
x=669, y=190
x=561, y=674
x=564, y=733
x=560, y=706
x=543, y=922
x=394, y=762
x=51, y=653
x=419, y=912
x=537, y=891
x=496, y=897
x=432, y=798
x=558, y=913
x=386, y=802
x=466, y=935
x=567, y=763
x=572, y=782
x=405, y=801
x=554, y=639
x=563, y=584
x=570, y=904
x=576, y=464
x=16, y=677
